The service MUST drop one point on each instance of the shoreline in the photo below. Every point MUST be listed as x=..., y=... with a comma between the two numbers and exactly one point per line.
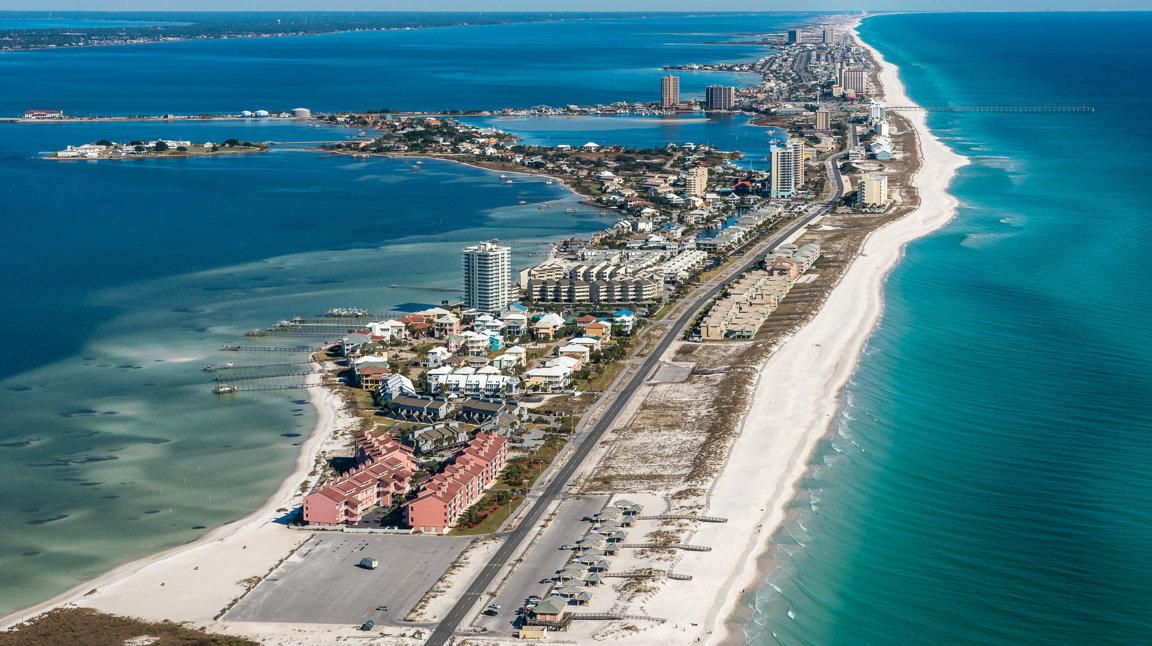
x=832, y=353
x=799, y=431
x=278, y=544
x=327, y=404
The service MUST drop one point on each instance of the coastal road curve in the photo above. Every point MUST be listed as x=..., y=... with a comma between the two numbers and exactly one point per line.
x=512, y=541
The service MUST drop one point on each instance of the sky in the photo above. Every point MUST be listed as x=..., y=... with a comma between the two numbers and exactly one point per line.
x=571, y=5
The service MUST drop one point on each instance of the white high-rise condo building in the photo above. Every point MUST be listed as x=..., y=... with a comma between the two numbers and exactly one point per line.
x=875, y=112
x=787, y=168
x=669, y=91
x=487, y=273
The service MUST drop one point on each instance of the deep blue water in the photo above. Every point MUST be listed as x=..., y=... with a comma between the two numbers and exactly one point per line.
x=987, y=481
x=122, y=278
x=731, y=132
x=497, y=66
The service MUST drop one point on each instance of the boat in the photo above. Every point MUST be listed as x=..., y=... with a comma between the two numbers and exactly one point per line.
x=503, y=177
x=223, y=389
x=550, y=182
x=522, y=201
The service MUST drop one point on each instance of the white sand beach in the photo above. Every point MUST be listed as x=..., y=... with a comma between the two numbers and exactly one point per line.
x=194, y=582
x=789, y=416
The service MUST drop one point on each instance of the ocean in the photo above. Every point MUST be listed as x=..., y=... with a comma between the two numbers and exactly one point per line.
x=121, y=279
x=987, y=479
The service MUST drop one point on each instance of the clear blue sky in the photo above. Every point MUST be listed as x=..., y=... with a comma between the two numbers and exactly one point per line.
x=571, y=5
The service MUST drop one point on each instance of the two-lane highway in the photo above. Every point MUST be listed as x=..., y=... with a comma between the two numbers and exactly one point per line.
x=555, y=488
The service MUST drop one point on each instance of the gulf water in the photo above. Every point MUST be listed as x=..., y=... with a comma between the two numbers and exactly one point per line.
x=988, y=479
x=121, y=279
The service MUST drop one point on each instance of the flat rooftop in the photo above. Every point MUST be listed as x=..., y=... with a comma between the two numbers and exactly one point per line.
x=322, y=582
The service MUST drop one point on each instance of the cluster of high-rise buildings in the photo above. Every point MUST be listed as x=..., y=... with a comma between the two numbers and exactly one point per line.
x=716, y=97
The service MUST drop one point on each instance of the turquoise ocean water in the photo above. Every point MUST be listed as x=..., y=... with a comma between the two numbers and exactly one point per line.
x=121, y=280
x=987, y=481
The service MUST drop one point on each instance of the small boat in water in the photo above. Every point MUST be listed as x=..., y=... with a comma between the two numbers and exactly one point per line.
x=223, y=389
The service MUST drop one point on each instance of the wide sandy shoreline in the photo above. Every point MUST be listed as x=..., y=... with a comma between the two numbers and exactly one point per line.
x=796, y=396
x=785, y=421
x=788, y=418
x=120, y=589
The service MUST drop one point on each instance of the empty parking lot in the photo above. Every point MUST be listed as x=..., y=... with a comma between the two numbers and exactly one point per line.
x=322, y=583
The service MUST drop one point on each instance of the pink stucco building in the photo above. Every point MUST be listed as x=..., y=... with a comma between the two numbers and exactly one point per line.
x=386, y=467
x=449, y=493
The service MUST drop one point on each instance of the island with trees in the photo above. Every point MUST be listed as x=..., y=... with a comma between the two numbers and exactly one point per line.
x=136, y=149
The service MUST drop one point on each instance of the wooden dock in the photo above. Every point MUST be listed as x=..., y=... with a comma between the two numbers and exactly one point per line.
x=250, y=389
x=250, y=376
x=253, y=366
x=268, y=348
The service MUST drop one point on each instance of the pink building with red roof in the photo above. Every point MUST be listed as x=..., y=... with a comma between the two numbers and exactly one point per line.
x=385, y=473
x=449, y=493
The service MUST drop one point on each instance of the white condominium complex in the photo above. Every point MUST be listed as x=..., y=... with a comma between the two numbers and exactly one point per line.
x=487, y=272
x=875, y=112
x=829, y=36
x=669, y=91
x=787, y=168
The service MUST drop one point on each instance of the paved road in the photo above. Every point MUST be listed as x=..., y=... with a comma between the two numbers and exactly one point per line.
x=555, y=489
x=543, y=559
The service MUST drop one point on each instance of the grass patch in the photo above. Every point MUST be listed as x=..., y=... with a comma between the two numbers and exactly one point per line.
x=495, y=506
x=93, y=628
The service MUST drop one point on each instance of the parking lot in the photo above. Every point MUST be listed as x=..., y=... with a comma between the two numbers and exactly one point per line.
x=323, y=583
x=542, y=560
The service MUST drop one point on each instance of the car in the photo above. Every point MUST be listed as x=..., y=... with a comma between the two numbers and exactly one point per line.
x=368, y=625
x=534, y=597
x=382, y=608
x=567, y=546
x=546, y=581
x=494, y=606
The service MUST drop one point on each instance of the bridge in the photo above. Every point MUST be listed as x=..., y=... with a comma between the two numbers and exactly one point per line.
x=991, y=108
